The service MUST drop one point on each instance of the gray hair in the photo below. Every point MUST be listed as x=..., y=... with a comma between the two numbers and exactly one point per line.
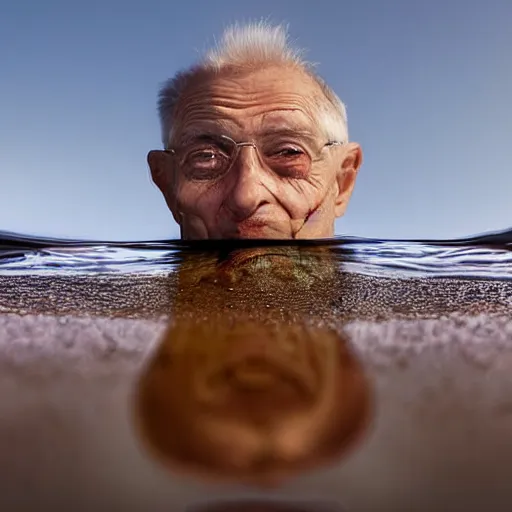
x=249, y=46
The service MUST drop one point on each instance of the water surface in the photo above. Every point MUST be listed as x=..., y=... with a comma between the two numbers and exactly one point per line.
x=424, y=325
x=481, y=257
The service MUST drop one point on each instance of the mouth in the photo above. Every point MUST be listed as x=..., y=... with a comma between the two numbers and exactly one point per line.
x=254, y=227
x=253, y=231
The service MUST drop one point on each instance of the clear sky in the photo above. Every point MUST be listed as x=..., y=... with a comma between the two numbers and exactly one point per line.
x=428, y=87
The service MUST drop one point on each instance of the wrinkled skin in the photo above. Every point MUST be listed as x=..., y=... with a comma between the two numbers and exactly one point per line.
x=239, y=389
x=252, y=201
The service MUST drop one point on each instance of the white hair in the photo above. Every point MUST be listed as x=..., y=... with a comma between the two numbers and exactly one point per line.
x=250, y=46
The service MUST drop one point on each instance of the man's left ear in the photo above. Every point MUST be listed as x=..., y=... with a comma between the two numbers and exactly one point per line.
x=346, y=176
x=162, y=172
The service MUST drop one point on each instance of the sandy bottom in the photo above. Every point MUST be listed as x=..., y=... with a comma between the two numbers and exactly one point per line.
x=441, y=440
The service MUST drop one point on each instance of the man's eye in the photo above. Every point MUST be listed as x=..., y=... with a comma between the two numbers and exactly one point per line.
x=205, y=164
x=203, y=156
x=288, y=152
x=288, y=160
x=206, y=158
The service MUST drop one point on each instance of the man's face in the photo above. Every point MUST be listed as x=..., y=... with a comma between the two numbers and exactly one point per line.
x=250, y=401
x=291, y=185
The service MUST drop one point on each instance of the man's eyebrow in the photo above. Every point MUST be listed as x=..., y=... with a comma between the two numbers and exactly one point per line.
x=210, y=129
x=208, y=132
x=287, y=131
x=215, y=131
x=193, y=135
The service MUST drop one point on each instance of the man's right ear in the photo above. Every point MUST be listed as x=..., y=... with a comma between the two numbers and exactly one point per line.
x=161, y=167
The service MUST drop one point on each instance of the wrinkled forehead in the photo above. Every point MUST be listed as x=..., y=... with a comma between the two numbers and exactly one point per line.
x=248, y=102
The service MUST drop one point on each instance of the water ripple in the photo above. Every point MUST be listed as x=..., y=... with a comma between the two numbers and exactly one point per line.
x=486, y=257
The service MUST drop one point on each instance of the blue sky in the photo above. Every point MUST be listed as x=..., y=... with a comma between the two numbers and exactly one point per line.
x=427, y=85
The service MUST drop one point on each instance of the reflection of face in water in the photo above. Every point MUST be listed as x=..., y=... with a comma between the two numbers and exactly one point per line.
x=268, y=506
x=251, y=401
x=278, y=282
x=289, y=262
x=237, y=391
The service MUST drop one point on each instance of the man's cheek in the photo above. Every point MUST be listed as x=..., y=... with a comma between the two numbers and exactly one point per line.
x=196, y=212
x=192, y=226
x=194, y=199
x=300, y=218
x=314, y=217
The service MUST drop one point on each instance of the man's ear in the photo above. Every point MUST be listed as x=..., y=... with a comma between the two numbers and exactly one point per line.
x=162, y=172
x=346, y=176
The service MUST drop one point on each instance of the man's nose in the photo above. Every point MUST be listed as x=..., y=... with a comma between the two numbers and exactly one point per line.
x=247, y=191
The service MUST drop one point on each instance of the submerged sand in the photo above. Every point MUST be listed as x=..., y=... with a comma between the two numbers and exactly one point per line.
x=439, y=353
x=356, y=297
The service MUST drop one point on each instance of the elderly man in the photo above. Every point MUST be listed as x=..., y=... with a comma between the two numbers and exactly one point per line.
x=256, y=144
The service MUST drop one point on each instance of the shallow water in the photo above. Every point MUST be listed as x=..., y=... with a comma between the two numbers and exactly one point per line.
x=382, y=375
x=481, y=257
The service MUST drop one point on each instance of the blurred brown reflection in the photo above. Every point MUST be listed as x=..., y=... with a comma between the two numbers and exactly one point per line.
x=267, y=506
x=280, y=283
x=255, y=392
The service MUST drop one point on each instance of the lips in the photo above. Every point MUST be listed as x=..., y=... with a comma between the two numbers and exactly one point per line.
x=254, y=222
x=257, y=226
x=253, y=230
